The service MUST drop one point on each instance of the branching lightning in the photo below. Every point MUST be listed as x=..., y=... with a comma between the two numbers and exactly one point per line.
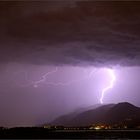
x=109, y=86
x=87, y=75
x=44, y=79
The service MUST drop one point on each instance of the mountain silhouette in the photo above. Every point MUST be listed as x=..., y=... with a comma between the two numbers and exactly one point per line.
x=107, y=114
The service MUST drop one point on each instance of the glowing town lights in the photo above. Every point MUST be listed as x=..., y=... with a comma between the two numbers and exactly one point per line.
x=112, y=75
x=97, y=128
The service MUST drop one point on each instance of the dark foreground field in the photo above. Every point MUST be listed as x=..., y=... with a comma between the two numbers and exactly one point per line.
x=68, y=134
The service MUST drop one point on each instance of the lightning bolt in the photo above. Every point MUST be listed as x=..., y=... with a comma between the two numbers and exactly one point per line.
x=89, y=75
x=109, y=86
x=73, y=81
x=44, y=79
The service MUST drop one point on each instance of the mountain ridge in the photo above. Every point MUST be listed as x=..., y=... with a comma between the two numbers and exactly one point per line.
x=108, y=114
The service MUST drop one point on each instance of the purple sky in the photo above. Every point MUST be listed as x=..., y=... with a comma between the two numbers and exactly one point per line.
x=23, y=104
x=77, y=37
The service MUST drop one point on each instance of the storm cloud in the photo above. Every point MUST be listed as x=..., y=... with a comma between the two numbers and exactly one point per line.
x=70, y=33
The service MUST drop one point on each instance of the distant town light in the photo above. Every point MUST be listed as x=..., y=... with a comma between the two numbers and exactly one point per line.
x=97, y=128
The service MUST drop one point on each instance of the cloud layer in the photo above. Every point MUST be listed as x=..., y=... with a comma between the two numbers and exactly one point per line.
x=70, y=33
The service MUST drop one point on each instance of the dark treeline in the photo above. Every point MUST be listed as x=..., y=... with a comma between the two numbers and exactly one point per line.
x=38, y=132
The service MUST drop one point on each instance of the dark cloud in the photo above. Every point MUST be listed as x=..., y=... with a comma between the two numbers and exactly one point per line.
x=75, y=33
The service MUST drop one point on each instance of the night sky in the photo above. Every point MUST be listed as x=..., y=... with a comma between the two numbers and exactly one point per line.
x=73, y=43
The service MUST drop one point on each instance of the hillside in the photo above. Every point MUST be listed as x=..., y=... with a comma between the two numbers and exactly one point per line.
x=108, y=114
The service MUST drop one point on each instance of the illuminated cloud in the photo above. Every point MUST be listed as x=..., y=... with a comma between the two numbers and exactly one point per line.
x=37, y=37
x=72, y=33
